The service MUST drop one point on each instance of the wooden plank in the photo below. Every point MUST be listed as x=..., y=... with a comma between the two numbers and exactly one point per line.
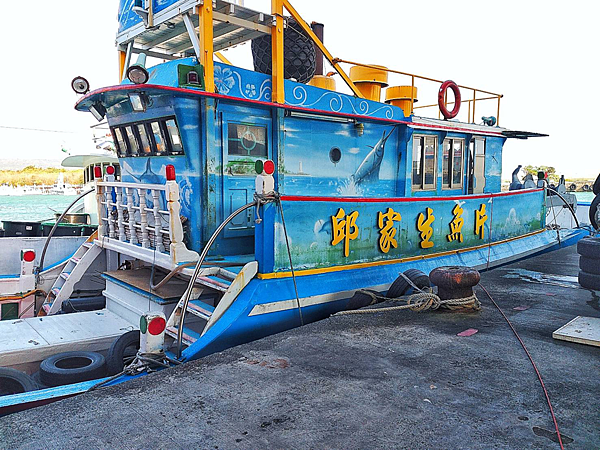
x=583, y=330
x=140, y=279
x=26, y=342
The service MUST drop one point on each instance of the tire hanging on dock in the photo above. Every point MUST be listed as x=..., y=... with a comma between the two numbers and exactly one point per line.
x=72, y=367
x=13, y=381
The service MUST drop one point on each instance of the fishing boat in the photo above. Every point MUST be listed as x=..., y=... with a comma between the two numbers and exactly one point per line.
x=255, y=201
x=35, y=252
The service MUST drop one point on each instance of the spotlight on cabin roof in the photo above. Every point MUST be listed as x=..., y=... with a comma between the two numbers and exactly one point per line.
x=137, y=73
x=98, y=111
x=80, y=85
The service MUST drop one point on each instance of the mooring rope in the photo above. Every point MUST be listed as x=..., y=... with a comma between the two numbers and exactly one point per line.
x=421, y=301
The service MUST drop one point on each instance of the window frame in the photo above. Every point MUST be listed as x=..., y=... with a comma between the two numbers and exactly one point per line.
x=423, y=140
x=147, y=126
x=452, y=184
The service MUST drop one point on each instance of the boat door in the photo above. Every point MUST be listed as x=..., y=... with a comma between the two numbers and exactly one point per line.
x=244, y=142
x=476, y=165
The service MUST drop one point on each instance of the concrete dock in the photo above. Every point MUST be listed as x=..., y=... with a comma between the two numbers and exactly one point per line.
x=388, y=380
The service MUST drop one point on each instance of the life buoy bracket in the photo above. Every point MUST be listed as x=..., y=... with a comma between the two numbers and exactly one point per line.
x=442, y=96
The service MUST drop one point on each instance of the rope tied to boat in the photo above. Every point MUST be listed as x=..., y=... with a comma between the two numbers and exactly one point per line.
x=418, y=302
x=142, y=362
x=263, y=199
x=422, y=300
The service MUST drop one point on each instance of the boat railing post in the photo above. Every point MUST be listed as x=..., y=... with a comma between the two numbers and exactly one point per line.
x=143, y=218
x=111, y=223
x=120, y=218
x=158, y=243
x=131, y=216
x=101, y=210
x=179, y=252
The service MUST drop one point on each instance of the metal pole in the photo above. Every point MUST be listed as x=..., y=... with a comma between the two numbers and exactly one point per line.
x=41, y=267
x=188, y=291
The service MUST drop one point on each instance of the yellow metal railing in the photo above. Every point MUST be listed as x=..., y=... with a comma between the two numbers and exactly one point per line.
x=471, y=102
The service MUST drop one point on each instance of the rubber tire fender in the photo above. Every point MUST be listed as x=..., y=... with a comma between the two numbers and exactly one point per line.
x=17, y=377
x=589, y=247
x=441, y=97
x=53, y=372
x=589, y=280
x=400, y=286
x=589, y=265
x=596, y=186
x=116, y=353
x=594, y=212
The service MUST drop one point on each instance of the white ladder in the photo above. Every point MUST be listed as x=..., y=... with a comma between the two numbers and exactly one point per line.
x=71, y=273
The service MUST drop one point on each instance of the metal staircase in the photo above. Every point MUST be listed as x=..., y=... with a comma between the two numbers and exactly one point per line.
x=72, y=272
x=223, y=282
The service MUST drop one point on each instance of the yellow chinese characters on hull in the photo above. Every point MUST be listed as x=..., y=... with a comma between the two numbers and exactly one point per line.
x=344, y=229
x=425, y=229
x=387, y=231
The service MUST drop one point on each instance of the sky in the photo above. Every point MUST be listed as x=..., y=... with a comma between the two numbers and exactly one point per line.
x=541, y=55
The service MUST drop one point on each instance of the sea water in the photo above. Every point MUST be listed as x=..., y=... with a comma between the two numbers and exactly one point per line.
x=33, y=207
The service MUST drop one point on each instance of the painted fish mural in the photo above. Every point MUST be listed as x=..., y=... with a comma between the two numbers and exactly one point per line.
x=368, y=171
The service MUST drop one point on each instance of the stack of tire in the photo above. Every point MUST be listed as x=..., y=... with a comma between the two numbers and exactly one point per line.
x=595, y=205
x=589, y=262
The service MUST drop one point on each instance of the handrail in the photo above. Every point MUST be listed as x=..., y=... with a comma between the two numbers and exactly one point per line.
x=188, y=291
x=567, y=204
x=41, y=266
x=474, y=100
x=371, y=66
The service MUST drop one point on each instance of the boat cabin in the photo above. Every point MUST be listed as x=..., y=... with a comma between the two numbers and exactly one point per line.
x=213, y=121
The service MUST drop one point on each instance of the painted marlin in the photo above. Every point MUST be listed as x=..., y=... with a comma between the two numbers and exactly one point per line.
x=369, y=167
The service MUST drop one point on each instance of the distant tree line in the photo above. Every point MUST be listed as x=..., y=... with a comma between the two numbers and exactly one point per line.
x=32, y=175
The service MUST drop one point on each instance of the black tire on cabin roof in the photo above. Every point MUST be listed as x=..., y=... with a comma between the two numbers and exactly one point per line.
x=595, y=212
x=299, y=56
x=589, y=280
x=72, y=367
x=121, y=351
x=13, y=381
x=589, y=247
x=400, y=286
x=589, y=265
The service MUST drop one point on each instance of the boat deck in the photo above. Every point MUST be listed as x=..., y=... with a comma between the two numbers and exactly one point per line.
x=388, y=380
x=26, y=342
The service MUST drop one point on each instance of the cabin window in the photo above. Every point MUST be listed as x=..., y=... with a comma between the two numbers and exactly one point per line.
x=245, y=144
x=424, y=162
x=173, y=133
x=158, y=136
x=150, y=138
x=120, y=141
x=247, y=140
x=133, y=145
x=452, y=163
x=144, y=140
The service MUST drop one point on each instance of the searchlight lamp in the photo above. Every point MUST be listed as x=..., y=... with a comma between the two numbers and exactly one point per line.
x=137, y=73
x=98, y=111
x=80, y=85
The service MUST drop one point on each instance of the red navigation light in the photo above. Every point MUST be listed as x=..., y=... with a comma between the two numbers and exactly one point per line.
x=110, y=170
x=157, y=326
x=170, y=169
x=97, y=172
x=269, y=167
x=28, y=256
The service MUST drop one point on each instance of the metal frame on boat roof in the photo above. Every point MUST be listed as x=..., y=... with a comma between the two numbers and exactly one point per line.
x=207, y=26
